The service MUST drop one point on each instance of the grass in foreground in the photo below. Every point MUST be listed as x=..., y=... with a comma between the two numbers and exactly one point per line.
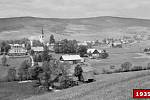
x=15, y=90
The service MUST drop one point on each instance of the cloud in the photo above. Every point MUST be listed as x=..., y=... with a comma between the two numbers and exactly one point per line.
x=74, y=8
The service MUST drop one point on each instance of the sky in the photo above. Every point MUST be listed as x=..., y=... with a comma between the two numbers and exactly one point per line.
x=75, y=8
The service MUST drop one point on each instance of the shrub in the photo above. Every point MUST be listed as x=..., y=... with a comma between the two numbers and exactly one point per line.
x=126, y=66
x=103, y=55
x=112, y=67
x=118, y=70
x=96, y=72
x=106, y=71
x=34, y=72
x=137, y=68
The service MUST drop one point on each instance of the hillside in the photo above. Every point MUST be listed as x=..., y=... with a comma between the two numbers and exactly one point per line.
x=80, y=29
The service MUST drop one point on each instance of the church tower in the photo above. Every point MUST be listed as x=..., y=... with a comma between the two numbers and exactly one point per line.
x=42, y=36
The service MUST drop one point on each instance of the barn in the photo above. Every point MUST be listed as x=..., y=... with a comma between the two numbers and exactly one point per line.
x=73, y=59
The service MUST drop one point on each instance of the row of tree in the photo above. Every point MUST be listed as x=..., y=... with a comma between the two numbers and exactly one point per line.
x=70, y=47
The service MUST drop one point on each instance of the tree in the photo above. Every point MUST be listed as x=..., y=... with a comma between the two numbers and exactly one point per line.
x=34, y=72
x=104, y=54
x=4, y=60
x=28, y=46
x=52, y=40
x=23, y=70
x=82, y=50
x=44, y=80
x=5, y=47
x=45, y=55
x=66, y=46
x=126, y=66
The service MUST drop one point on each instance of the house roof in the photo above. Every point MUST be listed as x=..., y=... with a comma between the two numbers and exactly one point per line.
x=37, y=49
x=82, y=43
x=70, y=57
x=94, y=51
x=90, y=50
x=100, y=51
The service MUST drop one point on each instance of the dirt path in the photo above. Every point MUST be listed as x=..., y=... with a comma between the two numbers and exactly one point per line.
x=108, y=87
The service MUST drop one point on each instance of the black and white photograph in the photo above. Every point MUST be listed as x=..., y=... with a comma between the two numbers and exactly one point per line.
x=74, y=50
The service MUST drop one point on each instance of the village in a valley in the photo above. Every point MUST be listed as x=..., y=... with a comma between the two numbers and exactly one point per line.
x=31, y=67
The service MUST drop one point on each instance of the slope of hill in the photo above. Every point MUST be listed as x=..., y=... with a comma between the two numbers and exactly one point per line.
x=80, y=29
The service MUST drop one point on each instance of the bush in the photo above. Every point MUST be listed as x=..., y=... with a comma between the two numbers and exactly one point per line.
x=112, y=67
x=106, y=71
x=96, y=72
x=118, y=70
x=103, y=55
x=34, y=72
x=126, y=66
x=137, y=68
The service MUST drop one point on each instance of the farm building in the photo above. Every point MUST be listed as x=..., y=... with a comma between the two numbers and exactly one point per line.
x=51, y=46
x=37, y=49
x=73, y=59
x=117, y=44
x=82, y=43
x=93, y=52
x=17, y=50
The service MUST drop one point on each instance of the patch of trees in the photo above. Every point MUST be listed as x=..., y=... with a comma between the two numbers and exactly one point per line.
x=51, y=74
x=146, y=49
x=125, y=67
x=69, y=47
x=66, y=46
x=82, y=50
x=4, y=46
x=23, y=71
x=51, y=40
x=37, y=43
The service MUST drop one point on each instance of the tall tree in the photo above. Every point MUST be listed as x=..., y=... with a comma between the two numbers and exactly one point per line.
x=23, y=70
x=5, y=47
x=82, y=50
x=52, y=40
x=4, y=60
x=45, y=55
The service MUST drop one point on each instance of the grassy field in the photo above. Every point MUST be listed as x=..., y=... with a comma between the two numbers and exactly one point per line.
x=17, y=91
x=107, y=87
x=129, y=53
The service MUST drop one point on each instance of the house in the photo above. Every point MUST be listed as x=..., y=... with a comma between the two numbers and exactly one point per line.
x=51, y=46
x=73, y=59
x=117, y=44
x=17, y=50
x=93, y=52
x=82, y=44
x=37, y=49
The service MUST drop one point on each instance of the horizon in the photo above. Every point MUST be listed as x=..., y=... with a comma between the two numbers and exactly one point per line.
x=73, y=17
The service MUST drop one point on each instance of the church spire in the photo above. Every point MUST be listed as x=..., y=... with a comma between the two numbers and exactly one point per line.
x=42, y=31
x=42, y=36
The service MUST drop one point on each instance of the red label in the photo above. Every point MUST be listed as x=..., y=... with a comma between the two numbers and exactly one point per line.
x=141, y=93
